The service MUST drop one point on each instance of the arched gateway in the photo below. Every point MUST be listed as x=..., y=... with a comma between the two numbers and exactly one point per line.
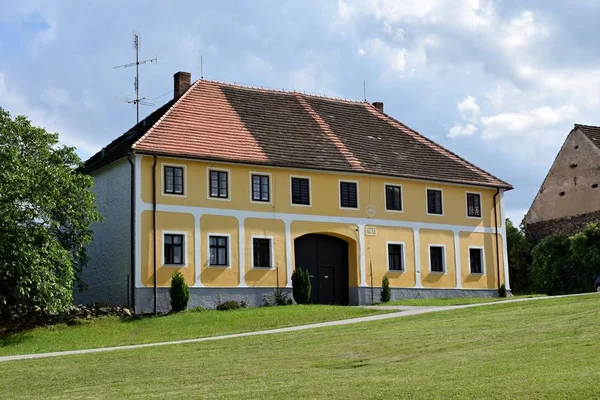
x=326, y=259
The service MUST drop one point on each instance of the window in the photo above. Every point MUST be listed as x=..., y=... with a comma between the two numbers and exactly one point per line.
x=219, y=250
x=173, y=249
x=261, y=250
x=434, y=201
x=395, y=257
x=476, y=260
x=260, y=188
x=348, y=194
x=393, y=198
x=473, y=205
x=436, y=259
x=173, y=180
x=301, y=191
x=218, y=184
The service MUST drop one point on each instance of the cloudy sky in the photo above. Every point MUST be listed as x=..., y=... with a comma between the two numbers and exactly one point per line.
x=499, y=82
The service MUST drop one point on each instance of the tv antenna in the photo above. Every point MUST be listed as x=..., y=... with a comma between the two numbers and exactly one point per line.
x=137, y=101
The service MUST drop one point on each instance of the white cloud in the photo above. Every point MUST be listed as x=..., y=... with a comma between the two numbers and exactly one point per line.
x=469, y=109
x=523, y=31
x=361, y=52
x=461, y=131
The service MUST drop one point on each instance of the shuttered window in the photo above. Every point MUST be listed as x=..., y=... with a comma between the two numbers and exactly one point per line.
x=434, y=201
x=393, y=198
x=173, y=180
x=474, y=205
x=348, y=195
x=301, y=191
x=436, y=259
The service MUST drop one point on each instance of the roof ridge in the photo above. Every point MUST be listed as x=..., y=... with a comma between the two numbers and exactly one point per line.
x=284, y=91
x=435, y=144
x=133, y=146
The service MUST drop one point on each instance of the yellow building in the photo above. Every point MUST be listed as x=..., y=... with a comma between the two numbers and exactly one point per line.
x=235, y=187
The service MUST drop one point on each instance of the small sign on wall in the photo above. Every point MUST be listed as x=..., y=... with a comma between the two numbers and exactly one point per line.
x=371, y=231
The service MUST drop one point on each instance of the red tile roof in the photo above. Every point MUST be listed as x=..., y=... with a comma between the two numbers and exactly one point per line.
x=225, y=122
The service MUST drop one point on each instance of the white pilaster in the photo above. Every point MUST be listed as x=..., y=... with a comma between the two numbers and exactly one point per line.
x=138, y=221
x=504, y=246
x=417, y=248
x=197, y=258
x=361, y=252
x=288, y=253
x=457, y=260
x=241, y=251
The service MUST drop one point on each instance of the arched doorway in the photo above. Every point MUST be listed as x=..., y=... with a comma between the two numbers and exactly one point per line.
x=326, y=259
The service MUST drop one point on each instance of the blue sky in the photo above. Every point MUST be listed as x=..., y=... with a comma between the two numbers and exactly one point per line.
x=499, y=82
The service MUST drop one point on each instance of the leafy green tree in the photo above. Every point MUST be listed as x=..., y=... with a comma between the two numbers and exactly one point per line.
x=386, y=292
x=301, y=286
x=553, y=267
x=585, y=247
x=519, y=259
x=46, y=208
x=179, y=292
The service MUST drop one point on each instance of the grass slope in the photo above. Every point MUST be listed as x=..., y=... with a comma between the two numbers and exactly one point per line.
x=111, y=331
x=455, y=301
x=539, y=349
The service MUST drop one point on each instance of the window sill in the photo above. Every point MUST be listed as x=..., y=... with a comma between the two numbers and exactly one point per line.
x=300, y=205
x=477, y=273
x=473, y=217
x=174, y=266
x=219, y=266
x=263, y=268
x=436, y=215
x=395, y=211
x=437, y=272
x=219, y=198
x=396, y=271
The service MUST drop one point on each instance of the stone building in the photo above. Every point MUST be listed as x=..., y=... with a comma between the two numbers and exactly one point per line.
x=569, y=197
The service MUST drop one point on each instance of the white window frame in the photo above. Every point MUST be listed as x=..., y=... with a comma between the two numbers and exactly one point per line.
x=340, y=194
x=482, y=260
x=444, y=258
x=467, y=205
x=309, y=191
x=184, y=249
x=427, y=201
x=402, y=257
x=385, y=185
x=208, y=236
x=272, y=247
x=251, y=173
x=229, y=186
x=162, y=179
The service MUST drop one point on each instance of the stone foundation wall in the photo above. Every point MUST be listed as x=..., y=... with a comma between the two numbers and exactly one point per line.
x=559, y=226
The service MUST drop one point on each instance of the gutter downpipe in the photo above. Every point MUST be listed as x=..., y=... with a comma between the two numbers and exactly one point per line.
x=154, y=231
x=130, y=158
x=496, y=234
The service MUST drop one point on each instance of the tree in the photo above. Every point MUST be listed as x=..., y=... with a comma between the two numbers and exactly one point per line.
x=46, y=208
x=585, y=248
x=301, y=286
x=553, y=266
x=519, y=259
x=386, y=292
x=179, y=292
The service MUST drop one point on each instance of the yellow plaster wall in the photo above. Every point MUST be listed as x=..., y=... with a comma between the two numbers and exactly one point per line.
x=347, y=232
x=377, y=254
x=179, y=222
x=324, y=193
x=274, y=228
x=478, y=281
x=213, y=275
x=432, y=279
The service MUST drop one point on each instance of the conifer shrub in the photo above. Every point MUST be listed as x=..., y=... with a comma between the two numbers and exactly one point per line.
x=179, y=292
x=502, y=291
x=386, y=292
x=301, y=286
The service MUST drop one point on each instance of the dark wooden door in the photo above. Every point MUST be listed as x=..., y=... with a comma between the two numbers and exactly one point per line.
x=326, y=259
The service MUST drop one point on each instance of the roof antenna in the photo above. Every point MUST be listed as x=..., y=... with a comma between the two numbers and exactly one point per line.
x=137, y=101
x=365, y=89
x=201, y=68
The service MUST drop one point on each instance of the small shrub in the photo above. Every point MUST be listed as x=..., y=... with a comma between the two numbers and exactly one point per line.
x=229, y=305
x=301, y=286
x=386, y=292
x=180, y=293
x=502, y=291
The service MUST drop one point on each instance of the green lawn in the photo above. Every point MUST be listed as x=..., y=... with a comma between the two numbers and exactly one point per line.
x=538, y=349
x=453, y=301
x=111, y=331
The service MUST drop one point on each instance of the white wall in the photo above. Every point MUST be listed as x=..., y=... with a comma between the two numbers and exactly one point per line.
x=110, y=252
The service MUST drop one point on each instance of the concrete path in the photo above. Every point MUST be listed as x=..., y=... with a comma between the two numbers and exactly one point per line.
x=404, y=311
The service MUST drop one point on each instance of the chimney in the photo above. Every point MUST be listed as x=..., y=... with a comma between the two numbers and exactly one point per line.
x=379, y=106
x=181, y=83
